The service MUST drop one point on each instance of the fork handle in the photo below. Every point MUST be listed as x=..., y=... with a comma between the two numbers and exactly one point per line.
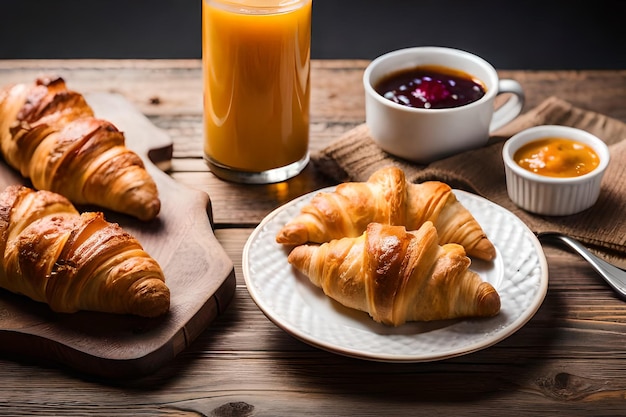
x=614, y=276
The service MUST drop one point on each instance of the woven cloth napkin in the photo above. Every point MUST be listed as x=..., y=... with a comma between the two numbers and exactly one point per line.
x=354, y=157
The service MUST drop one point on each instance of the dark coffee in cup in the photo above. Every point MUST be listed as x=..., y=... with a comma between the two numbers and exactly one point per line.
x=431, y=87
x=421, y=134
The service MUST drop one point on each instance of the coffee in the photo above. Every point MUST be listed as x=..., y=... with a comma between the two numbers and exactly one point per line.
x=431, y=87
x=423, y=135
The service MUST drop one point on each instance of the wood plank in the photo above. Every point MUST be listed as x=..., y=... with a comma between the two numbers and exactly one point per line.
x=174, y=87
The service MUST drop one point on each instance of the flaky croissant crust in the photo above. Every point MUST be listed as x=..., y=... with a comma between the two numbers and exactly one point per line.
x=387, y=198
x=73, y=261
x=50, y=135
x=397, y=275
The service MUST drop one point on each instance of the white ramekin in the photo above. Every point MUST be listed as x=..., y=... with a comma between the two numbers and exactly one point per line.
x=549, y=195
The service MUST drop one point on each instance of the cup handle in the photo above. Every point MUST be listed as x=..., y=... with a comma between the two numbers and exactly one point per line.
x=513, y=106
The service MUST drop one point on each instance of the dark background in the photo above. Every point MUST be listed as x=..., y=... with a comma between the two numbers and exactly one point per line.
x=521, y=34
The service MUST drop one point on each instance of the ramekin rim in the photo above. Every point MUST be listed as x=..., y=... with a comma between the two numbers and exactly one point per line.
x=521, y=136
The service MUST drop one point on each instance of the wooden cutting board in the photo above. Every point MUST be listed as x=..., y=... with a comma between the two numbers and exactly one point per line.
x=197, y=270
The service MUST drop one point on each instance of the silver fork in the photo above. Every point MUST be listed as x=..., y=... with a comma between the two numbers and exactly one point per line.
x=615, y=277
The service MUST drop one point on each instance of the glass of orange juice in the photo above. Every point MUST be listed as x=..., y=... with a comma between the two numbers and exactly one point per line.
x=256, y=65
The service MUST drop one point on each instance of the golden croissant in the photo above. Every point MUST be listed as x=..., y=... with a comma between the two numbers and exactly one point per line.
x=398, y=276
x=50, y=135
x=73, y=261
x=387, y=198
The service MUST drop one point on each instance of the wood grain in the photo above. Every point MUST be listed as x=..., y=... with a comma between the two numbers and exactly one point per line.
x=197, y=271
x=568, y=360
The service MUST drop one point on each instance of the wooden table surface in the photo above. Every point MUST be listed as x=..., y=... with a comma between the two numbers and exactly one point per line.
x=570, y=358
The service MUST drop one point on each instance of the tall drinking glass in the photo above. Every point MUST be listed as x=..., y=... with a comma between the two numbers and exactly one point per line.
x=256, y=67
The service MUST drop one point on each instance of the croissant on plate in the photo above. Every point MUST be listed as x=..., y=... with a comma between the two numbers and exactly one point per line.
x=387, y=198
x=398, y=276
x=50, y=135
x=73, y=261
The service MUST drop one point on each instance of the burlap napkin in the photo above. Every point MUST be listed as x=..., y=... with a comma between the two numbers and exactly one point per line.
x=354, y=157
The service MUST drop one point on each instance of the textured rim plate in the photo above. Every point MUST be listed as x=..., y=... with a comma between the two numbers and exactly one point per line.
x=519, y=273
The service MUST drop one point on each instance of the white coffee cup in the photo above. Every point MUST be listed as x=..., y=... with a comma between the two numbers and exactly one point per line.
x=424, y=135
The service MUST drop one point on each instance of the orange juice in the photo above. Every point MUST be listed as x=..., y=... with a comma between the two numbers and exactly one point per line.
x=256, y=64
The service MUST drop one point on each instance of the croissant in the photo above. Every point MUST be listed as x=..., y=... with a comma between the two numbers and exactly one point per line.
x=398, y=276
x=387, y=198
x=73, y=261
x=50, y=135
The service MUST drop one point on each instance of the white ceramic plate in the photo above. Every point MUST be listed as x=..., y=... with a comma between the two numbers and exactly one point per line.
x=519, y=273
